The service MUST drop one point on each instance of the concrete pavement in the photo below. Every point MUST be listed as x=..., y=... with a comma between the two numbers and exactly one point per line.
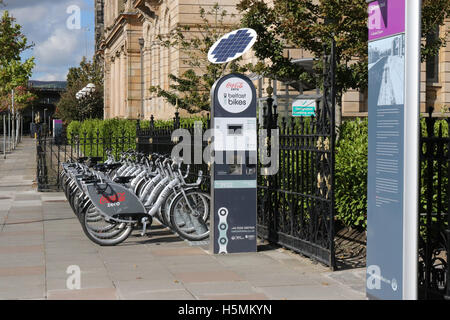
x=42, y=243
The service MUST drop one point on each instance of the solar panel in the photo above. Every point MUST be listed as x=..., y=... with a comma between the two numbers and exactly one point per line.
x=232, y=45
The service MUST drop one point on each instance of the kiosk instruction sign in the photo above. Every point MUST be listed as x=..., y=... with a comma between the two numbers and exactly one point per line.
x=234, y=170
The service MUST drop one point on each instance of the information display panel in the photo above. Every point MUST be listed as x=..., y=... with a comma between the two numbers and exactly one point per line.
x=393, y=101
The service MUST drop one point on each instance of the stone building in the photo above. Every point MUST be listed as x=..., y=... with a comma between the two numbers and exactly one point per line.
x=128, y=41
x=134, y=60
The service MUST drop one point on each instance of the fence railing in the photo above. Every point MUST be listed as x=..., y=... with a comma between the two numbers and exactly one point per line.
x=434, y=220
x=51, y=152
x=295, y=208
x=158, y=139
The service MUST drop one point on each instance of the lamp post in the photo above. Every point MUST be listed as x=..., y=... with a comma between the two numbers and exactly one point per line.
x=45, y=121
x=85, y=92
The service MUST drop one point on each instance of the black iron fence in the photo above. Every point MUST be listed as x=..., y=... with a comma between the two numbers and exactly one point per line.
x=296, y=206
x=51, y=152
x=434, y=220
x=159, y=139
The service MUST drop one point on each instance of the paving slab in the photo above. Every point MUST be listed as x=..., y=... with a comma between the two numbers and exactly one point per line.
x=208, y=276
x=28, y=259
x=21, y=271
x=160, y=295
x=195, y=267
x=86, y=282
x=253, y=296
x=220, y=288
x=134, y=271
x=303, y=292
x=130, y=287
x=28, y=291
x=83, y=294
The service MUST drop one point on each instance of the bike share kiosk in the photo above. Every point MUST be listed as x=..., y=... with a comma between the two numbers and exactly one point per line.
x=234, y=171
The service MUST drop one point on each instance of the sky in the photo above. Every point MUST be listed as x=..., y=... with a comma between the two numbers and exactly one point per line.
x=62, y=32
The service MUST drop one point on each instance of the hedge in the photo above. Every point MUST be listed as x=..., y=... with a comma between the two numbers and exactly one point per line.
x=352, y=166
x=110, y=131
x=351, y=173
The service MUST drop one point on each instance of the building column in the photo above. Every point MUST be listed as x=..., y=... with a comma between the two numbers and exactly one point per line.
x=112, y=88
x=156, y=74
x=122, y=87
x=107, y=89
x=147, y=81
x=117, y=85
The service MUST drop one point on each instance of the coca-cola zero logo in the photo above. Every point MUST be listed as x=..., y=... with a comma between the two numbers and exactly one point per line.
x=235, y=85
x=118, y=197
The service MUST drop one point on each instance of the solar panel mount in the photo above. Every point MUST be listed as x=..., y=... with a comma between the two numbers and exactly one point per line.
x=232, y=45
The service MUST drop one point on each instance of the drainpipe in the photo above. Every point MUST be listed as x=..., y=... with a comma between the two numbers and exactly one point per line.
x=141, y=45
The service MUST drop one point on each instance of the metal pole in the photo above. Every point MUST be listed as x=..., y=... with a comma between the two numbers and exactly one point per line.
x=32, y=121
x=9, y=129
x=4, y=136
x=17, y=128
x=13, y=120
x=332, y=146
x=45, y=121
x=411, y=149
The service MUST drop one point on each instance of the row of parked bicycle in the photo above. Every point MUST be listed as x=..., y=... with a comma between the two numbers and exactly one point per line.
x=113, y=198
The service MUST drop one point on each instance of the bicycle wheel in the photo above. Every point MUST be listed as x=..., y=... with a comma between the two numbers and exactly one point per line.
x=77, y=201
x=100, y=231
x=189, y=214
x=165, y=210
x=139, y=186
x=74, y=194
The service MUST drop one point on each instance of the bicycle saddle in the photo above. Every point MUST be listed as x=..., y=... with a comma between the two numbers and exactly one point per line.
x=93, y=161
x=124, y=179
x=105, y=167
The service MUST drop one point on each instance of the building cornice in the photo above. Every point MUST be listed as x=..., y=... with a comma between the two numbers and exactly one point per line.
x=121, y=20
x=147, y=9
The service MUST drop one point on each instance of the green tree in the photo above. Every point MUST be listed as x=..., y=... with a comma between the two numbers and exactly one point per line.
x=22, y=98
x=13, y=72
x=191, y=89
x=69, y=107
x=310, y=24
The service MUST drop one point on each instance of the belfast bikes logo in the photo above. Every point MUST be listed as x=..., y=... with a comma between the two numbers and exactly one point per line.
x=223, y=148
x=237, y=95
